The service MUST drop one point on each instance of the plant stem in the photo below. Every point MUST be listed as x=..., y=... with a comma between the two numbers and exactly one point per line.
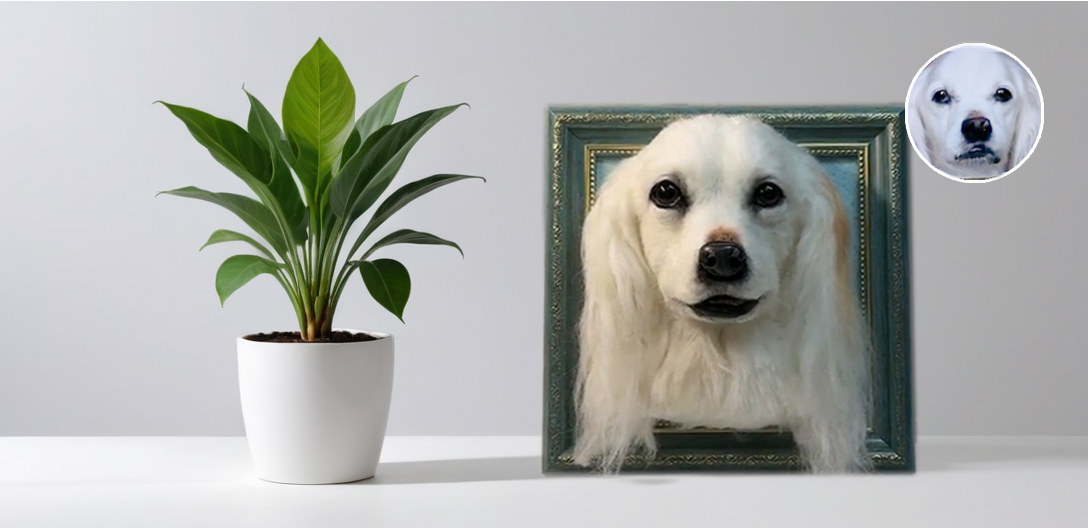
x=300, y=259
x=341, y=276
x=289, y=256
x=289, y=288
x=326, y=325
x=326, y=268
x=320, y=304
x=307, y=307
x=329, y=265
x=307, y=271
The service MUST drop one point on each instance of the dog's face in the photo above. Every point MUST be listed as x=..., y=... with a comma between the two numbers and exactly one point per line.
x=721, y=203
x=970, y=104
x=718, y=292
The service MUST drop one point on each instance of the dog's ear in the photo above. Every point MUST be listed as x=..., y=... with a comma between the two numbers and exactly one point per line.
x=616, y=323
x=1029, y=119
x=915, y=123
x=830, y=334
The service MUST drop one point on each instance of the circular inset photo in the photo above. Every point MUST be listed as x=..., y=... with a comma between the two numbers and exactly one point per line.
x=974, y=112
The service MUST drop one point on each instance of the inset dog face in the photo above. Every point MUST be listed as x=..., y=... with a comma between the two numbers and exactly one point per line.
x=721, y=203
x=975, y=112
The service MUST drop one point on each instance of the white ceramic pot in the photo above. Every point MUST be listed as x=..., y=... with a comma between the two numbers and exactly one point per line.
x=315, y=413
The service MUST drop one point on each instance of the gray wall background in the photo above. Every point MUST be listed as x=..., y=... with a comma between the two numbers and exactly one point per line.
x=108, y=315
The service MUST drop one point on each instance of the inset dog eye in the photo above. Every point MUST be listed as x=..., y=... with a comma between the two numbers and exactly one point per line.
x=666, y=194
x=941, y=97
x=767, y=195
x=1003, y=95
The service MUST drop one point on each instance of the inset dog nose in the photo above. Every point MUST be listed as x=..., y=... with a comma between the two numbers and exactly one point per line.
x=723, y=261
x=976, y=129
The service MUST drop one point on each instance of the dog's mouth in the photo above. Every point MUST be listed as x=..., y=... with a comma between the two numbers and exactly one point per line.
x=723, y=307
x=978, y=154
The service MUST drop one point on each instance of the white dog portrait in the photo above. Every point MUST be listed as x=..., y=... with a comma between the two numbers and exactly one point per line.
x=718, y=294
x=974, y=112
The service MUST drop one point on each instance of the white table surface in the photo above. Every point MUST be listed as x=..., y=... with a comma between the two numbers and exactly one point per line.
x=496, y=482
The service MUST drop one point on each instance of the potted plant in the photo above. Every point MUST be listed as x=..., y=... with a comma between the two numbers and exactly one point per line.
x=315, y=402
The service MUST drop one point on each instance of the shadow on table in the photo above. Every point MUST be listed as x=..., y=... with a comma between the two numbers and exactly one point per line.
x=965, y=455
x=460, y=470
x=981, y=455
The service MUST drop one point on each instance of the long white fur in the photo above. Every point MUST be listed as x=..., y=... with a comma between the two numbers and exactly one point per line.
x=801, y=362
x=972, y=73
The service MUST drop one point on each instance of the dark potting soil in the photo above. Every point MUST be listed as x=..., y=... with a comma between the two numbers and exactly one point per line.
x=337, y=336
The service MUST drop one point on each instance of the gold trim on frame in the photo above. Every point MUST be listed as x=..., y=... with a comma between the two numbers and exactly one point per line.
x=591, y=152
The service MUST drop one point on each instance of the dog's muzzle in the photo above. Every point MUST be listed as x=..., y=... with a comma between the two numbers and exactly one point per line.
x=976, y=132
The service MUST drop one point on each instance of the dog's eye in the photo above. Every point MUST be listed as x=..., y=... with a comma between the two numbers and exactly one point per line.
x=767, y=195
x=1003, y=95
x=941, y=97
x=666, y=194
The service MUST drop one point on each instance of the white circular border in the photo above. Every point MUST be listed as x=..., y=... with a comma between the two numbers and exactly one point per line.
x=1042, y=112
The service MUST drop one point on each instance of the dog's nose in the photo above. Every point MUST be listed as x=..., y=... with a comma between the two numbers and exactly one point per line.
x=976, y=129
x=723, y=261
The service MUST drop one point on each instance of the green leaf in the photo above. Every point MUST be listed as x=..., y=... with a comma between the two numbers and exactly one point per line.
x=238, y=270
x=318, y=109
x=295, y=214
x=264, y=128
x=226, y=235
x=239, y=152
x=227, y=142
x=408, y=236
x=352, y=180
x=351, y=146
x=367, y=174
x=402, y=197
x=388, y=282
x=382, y=112
x=255, y=214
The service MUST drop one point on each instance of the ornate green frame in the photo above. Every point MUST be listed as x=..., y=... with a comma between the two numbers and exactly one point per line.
x=876, y=138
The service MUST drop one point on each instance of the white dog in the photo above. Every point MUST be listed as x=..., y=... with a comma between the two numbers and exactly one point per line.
x=974, y=112
x=718, y=294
